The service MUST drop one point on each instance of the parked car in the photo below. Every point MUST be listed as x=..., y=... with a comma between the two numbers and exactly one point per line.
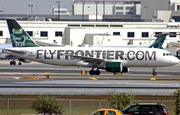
x=107, y=112
x=146, y=109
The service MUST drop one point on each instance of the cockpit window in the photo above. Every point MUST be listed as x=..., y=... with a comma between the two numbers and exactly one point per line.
x=167, y=54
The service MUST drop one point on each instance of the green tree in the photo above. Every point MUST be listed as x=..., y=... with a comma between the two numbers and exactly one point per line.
x=119, y=100
x=176, y=94
x=44, y=104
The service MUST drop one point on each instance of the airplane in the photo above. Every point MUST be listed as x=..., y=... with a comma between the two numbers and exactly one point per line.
x=157, y=44
x=110, y=59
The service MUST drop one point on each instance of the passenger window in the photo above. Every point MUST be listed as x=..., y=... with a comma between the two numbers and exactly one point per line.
x=145, y=108
x=134, y=108
x=110, y=113
x=159, y=108
x=99, y=113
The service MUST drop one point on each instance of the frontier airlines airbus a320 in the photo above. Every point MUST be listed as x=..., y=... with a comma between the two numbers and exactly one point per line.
x=111, y=59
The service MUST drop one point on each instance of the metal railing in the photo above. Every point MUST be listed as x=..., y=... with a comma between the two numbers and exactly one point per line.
x=72, y=106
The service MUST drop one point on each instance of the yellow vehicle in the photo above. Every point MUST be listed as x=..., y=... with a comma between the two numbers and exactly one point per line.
x=107, y=112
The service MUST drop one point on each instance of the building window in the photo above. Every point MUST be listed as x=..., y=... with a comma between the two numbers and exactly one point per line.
x=73, y=25
x=178, y=7
x=129, y=8
x=119, y=13
x=44, y=33
x=1, y=33
x=172, y=34
x=58, y=33
x=145, y=34
x=129, y=13
x=130, y=34
x=30, y=33
x=116, y=33
x=101, y=25
x=87, y=25
x=116, y=25
x=119, y=8
x=60, y=12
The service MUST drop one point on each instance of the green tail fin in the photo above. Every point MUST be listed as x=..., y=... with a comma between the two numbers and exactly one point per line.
x=19, y=37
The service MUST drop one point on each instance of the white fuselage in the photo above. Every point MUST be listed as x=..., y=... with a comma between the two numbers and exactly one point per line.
x=130, y=57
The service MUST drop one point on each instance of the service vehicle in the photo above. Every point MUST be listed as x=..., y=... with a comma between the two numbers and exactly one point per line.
x=145, y=109
x=107, y=112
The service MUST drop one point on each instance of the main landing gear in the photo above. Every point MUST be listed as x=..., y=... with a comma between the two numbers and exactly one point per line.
x=154, y=71
x=14, y=63
x=96, y=72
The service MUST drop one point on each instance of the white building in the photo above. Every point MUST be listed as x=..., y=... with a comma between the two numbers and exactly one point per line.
x=95, y=33
x=96, y=9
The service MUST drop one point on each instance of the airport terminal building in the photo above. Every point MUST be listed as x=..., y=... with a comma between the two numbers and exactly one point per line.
x=95, y=33
x=106, y=22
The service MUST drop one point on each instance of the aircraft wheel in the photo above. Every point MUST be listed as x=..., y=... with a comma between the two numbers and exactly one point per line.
x=91, y=72
x=11, y=62
x=19, y=63
x=97, y=72
x=14, y=63
x=154, y=73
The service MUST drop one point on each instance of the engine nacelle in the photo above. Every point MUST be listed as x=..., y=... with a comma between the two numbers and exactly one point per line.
x=113, y=66
x=25, y=60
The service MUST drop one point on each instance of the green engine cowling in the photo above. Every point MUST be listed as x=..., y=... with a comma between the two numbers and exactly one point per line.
x=113, y=66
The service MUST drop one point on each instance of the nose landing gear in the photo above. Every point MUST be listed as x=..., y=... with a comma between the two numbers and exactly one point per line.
x=154, y=71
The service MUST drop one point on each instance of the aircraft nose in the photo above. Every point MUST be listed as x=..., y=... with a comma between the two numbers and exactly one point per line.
x=175, y=60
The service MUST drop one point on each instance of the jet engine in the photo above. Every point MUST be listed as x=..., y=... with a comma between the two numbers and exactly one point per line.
x=113, y=66
x=25, y=60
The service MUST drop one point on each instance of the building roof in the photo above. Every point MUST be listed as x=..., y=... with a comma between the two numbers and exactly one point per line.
x=106, y=0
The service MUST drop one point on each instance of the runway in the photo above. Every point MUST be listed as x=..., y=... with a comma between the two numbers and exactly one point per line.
x=87, y=87
x=69, y=81
x=35, y=67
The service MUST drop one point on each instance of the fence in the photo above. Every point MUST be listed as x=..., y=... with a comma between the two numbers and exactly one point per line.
x=72, y=106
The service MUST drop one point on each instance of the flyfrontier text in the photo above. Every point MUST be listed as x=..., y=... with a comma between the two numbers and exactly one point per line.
x=103, y=54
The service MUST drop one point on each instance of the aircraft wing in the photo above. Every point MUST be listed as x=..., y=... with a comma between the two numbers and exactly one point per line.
x=87, y=61
x=13, y=51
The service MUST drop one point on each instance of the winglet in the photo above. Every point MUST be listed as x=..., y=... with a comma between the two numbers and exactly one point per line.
x=159, y=41
x=19, y=37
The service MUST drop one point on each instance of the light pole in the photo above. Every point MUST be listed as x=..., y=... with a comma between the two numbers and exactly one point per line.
x=31, y=10
x=58, y=9
x=96, y=10
x=3, y=10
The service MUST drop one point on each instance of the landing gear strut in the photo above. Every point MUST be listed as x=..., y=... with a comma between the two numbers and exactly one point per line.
x=154, y=71
x=92, y=72
x=19, y=63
